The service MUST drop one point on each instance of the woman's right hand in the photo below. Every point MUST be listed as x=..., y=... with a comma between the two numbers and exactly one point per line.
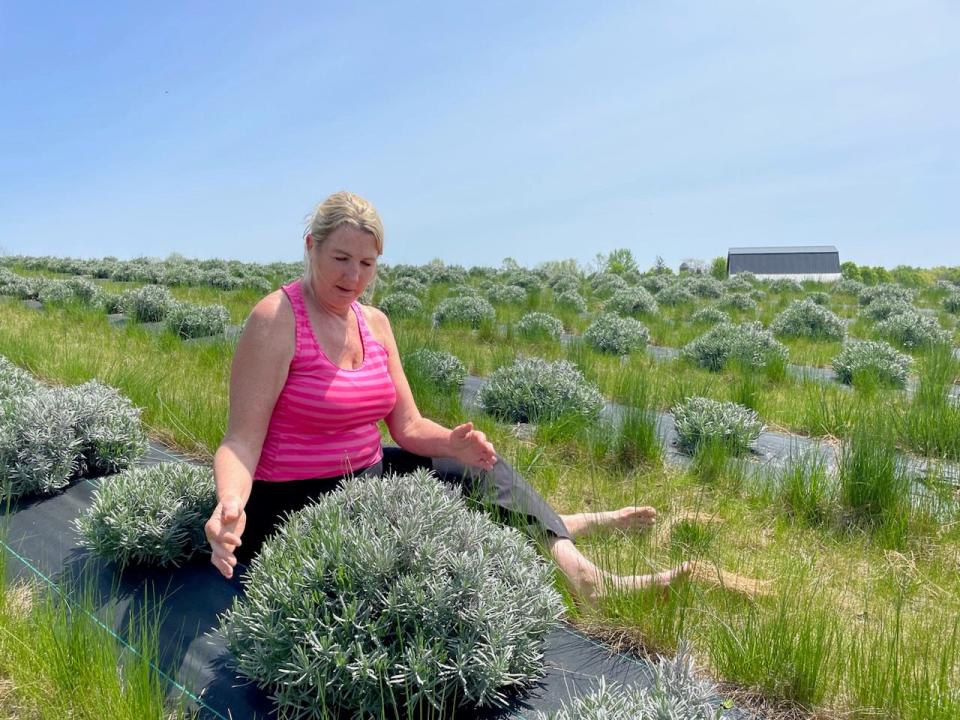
x=223, y=530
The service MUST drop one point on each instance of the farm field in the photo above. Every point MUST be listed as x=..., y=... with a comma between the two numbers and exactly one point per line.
x=857, y=612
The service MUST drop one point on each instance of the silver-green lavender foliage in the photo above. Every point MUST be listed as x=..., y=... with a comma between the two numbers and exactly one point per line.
x=408, y=284
x=190, y=320
x=39, y=447
x=888, y=291
x=536, y=390
x=738, y=300
x=632, y=301
x=606, y=284
x=674, y=294
x=704, y=286
x=563, y=282
x=655, y=283
x=951, y=303
x=710, y=314
x=749, y=343
x=400, y=304
x=389, y=593
x=876, y=358
x=56, y=292
x=611, y=333
x=149, y=515
x=783, y=285
x=150, y=303
x=820, y=298
x=675, y=692
x=571, y=300
x=463, y=310
x=444, y=371
x=700, y=419
x=884, y=307
x=805, y=318
x=108, y=427
x=16, y=285
x=739, y=283
x=507, y=294
x=913, y=330
x=847, y=286
x=15, y=382
x=540, y=325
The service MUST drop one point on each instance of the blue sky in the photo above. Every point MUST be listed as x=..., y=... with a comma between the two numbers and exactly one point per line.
x=534, y=130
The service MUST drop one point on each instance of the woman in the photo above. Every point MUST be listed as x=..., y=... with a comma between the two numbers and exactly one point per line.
x=315, y=371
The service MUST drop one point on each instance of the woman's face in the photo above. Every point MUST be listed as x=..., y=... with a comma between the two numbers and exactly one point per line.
x=343, y=266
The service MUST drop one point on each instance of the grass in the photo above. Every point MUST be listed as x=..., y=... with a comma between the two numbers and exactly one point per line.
x=57, y=661
x=865, y=594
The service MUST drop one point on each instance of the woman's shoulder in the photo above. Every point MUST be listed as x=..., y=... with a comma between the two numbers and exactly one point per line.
x=272, y=319
x=377, y=322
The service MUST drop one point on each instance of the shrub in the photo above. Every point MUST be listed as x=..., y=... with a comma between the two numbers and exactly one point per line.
x=151, y=303
x=701, y=419
x=611, y=333
x=152, y=516
x=632, y=301
x=109, y=302
x=655, y=283
x=876, y=358
x=389, y=593
x=704, y=286
x=535, y=390
x=439, y=273
x=913, y=330
x=507, y=294
x=441, y=369
x=749, y=343
x=189, y=320
x=887, y=291
x=540, y=325
x=804, y=318
x=400, y=305
x=464, y=310
x=407, y=284
x=564, y=283
x=84, y=290
x=738, y=283
x=951, y=303
x=675, y=294
x=784, y=285
x=847, y=286
x=738, y=300
x=17, y=286
x=674, y=693
x=108, y=427
x=38, y=445
x=820, y=298
x=884, y=307
x=14, y=381
x=571, y=300
x=606, y=284
x=710, y=314
x=55, y=292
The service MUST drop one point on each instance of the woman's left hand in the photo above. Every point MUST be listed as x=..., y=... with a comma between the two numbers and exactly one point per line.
x=471, y=447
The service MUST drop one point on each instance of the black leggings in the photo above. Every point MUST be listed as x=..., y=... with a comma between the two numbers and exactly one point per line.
x=501, y=491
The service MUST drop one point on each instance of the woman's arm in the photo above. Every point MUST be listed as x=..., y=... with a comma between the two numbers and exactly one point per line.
x=259, y=371
x=416, y=433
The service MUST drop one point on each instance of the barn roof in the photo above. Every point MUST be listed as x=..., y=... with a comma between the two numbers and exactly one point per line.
x=782, y=250
x=809, y=260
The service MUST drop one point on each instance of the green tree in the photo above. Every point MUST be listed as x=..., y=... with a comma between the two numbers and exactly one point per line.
x=718, y=268
x=850, y=270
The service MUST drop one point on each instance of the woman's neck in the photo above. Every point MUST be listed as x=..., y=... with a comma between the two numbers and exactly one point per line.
x=341, y=312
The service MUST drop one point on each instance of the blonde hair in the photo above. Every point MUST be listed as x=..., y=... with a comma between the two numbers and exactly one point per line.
x=342, y=208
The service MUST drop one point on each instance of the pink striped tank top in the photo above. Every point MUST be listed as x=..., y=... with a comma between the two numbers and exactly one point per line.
x=325, y=421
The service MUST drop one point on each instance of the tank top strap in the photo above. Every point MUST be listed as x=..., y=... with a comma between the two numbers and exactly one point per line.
x=294, y=292
x=365, y=335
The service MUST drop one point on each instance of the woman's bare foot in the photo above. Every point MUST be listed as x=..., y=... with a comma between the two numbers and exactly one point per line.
x=628, y=518
x=591, y=590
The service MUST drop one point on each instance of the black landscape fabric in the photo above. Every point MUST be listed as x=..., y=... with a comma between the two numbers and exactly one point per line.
x=40, y=537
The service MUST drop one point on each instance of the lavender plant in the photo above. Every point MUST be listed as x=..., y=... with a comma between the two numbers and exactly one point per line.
x=190, y=320
x=738, y=300
x=610, y=333
x=507, y=294
x=674, y=294
x=700, y=419
x=710, y=314
x=536, y=390
x=409, y=285
x=704, y=286
x=400, y=304
x=389, y=594
x=848, y=286
x=108, y=427
x=749, y=343
x=913, y=330
x=151, y=303
x=149, y=515
x=571, y=300
x=951, y=303
x=539, y=325
x=804, y=318
x=632, y=301
x=442, y=370
x=784, y=285
x=878, y=359
x=463, y=310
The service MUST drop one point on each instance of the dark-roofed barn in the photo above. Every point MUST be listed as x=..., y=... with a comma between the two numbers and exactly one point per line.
x=820, y=263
